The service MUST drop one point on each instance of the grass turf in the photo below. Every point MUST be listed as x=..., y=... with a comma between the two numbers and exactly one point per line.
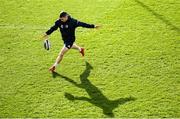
x=131, y=67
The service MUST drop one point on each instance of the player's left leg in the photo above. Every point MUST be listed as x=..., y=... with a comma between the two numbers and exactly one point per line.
x=81, y=50
x=76, y=47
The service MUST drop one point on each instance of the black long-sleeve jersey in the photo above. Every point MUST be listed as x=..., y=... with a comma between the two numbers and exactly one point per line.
x=67, y=28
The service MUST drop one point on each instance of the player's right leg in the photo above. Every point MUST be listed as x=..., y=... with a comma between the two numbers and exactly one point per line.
x=59, y=58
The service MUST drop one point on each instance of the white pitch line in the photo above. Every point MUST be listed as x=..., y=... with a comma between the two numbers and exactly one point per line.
x=25, y=26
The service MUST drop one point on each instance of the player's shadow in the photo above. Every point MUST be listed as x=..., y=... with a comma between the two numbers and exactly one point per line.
x=160, y=17
x=96, y=97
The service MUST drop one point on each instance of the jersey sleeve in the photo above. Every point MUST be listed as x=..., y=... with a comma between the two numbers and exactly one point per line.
x=53, y=28
x=83, y=24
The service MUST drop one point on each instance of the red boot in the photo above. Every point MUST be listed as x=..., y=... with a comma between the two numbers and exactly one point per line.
x=52, y=69
x=82, y=51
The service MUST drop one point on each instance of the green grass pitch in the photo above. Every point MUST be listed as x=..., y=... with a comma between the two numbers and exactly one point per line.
x=131, y=67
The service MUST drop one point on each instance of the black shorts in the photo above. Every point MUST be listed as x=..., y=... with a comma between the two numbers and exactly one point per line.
x=68, y=44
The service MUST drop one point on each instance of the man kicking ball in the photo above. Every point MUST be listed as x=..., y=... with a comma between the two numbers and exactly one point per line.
x=67, y=26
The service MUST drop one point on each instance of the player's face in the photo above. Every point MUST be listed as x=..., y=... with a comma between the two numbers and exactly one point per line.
x=64, y=19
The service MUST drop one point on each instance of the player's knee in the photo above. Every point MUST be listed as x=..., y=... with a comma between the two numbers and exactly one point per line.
x=61, y=54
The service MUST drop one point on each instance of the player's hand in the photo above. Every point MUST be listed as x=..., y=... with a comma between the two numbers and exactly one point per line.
x=97, y=26
x=45, y=36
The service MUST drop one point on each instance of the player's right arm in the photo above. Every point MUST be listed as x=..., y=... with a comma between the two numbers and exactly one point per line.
x=51, y=30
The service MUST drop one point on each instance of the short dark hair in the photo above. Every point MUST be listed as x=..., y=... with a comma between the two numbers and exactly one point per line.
x=63, y=14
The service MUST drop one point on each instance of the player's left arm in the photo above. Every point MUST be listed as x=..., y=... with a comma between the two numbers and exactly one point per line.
x=85, y=25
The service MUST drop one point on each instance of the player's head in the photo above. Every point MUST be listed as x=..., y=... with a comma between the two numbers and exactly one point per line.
x=63, y=16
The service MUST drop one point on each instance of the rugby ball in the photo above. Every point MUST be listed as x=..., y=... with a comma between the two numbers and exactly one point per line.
x=47, y=44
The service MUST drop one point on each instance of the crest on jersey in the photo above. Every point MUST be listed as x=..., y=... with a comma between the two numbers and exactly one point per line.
x=66, y=26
